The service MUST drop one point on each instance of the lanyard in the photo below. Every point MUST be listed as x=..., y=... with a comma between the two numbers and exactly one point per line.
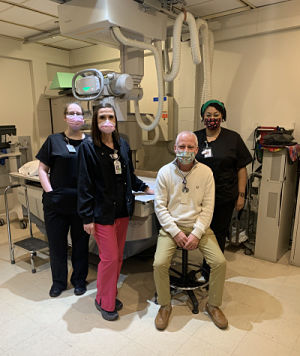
x=117, y=163
x=185, y=189
x=70, y=147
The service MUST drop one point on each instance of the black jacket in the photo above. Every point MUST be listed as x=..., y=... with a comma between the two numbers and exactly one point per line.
x=97, y=183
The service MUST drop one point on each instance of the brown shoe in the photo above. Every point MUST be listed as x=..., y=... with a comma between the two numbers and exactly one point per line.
x=162, y=317
x=217, y=316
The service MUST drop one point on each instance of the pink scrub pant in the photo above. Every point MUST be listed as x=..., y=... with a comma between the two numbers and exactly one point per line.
x=111, y=241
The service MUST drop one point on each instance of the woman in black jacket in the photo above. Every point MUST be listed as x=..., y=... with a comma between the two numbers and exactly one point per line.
x=105, y=201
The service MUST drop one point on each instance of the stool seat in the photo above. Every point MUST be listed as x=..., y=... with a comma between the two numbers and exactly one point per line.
x=187, y=281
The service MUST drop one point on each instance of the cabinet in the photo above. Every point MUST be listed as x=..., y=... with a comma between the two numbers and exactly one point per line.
x=276, y=205
x=295, y=251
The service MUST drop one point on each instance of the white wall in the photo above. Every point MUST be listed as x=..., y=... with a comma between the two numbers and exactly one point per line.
x=258, y=79
x=256, y=69
x=24, y=76
x=16, y=94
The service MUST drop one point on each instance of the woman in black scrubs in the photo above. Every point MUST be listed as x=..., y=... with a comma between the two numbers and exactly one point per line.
x=58, y=156
x=226, y=154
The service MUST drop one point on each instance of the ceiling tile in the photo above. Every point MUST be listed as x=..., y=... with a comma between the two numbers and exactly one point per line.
x=53, y=39
x=4, y=7
x=15, y=31
x=61, y=42
x=24, y=17
x=265, y=2
x=71, y=44
x=197, y=2
x=213, y=7
x=44, y=22
x=19, y=1
x=49, y=25
x=47, y=6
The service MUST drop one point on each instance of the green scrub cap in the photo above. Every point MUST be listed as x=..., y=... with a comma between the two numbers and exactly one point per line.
x=207, y=104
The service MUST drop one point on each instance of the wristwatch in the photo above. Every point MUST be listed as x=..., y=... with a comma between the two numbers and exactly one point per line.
x=241, y=194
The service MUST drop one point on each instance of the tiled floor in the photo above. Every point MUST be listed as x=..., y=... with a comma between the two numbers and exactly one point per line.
x=261, y=301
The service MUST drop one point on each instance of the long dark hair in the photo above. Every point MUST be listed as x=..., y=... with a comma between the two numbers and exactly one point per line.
x=96, y=133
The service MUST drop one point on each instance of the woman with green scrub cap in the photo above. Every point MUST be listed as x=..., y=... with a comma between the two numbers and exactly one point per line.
x=225, y=152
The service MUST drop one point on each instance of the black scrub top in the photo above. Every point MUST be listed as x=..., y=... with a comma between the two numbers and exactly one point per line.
x=118, y=190
x=229, y=154
x=63, y=172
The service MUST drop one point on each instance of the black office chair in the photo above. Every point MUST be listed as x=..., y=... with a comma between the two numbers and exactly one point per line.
x=186, y=280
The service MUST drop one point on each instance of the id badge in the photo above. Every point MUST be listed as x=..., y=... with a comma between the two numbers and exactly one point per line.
x=207, y=153
x=71, y=148
x=118, y=167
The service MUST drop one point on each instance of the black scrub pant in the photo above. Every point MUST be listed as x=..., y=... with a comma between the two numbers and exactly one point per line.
x=220, y=226
x=57, y=227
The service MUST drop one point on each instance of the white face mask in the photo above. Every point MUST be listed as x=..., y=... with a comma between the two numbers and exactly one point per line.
x=185, y=157
x=75, y=121
x=107, y=127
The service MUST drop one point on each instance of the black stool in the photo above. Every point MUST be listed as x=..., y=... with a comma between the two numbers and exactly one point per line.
x=187, y=281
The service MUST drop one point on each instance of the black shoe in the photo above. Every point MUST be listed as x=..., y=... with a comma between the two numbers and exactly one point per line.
x=107, y=315
x=119, y=304
x=55, y=292
x=79, y=290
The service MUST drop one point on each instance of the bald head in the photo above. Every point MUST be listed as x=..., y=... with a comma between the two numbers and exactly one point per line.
x=187, y=135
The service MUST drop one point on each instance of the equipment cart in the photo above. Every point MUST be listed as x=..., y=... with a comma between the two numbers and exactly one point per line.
x=31, y=244
x=243, y=223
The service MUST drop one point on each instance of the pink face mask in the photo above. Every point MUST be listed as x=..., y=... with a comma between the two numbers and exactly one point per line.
x=75, y=121
x=107, y=127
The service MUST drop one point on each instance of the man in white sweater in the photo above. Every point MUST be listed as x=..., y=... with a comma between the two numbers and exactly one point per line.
x=184, y=204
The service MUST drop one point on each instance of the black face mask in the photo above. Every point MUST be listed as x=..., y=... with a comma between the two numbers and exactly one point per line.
x=212, y=123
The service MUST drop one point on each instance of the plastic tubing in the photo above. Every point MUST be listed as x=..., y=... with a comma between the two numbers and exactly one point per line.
x=156, y=136
x=138, y=44
x=207, y=45
x=195, y=48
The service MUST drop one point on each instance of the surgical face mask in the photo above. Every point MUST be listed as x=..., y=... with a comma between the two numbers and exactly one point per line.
x=185, y=157
x=107, y=127
x=75, y=121
x=212, y=123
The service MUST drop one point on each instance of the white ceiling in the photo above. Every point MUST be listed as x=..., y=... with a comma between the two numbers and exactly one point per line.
x=22, y=19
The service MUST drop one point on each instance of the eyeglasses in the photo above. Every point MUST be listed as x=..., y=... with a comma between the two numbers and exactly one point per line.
x=104, y=117
x=72, y=113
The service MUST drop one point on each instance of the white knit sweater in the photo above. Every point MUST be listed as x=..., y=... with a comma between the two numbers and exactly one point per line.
x=192, y=209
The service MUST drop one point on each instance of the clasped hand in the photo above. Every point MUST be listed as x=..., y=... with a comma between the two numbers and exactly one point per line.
x=89, y=228
x=190, y=242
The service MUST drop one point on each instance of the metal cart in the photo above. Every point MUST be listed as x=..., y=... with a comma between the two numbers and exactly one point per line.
x=31, y=244
x=243, y=223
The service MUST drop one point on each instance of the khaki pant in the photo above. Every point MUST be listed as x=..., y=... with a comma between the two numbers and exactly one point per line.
x=208, y=245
